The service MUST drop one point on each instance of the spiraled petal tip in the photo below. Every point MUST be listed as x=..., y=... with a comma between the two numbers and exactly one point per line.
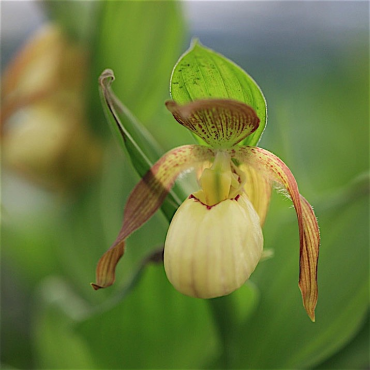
x=96, y=286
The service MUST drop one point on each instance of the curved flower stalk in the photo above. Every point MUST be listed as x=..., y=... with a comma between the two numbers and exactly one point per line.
x=215, y=240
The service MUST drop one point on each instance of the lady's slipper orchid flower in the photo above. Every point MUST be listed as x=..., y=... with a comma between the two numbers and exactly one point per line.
x=43, y=123
x=215, y=240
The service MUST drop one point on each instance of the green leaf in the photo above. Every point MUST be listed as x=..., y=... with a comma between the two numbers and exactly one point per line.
x=202, y=73
x=56, y=345
x=353, y=356
x=154, y=326
x=140, y=41
x=131, y=134
x=78, y=27
x=232, y=311
x=279, y=335
x=123, y=132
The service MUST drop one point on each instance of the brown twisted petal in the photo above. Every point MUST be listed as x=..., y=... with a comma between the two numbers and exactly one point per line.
x=144, y=201
x=221, y=123
x=274, y=169
x=308, y=258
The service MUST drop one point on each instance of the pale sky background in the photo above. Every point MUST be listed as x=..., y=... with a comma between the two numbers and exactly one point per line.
x=253, y=22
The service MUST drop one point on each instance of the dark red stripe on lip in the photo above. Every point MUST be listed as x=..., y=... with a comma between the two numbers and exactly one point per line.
x=192, y=196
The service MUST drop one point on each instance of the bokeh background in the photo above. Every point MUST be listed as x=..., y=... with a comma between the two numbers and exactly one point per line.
x=65, y=180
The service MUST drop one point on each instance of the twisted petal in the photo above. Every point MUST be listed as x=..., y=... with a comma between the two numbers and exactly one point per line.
x=145, y=199
x=219, y=122
x=308, y=258
x=274, y=169
x=258, y=189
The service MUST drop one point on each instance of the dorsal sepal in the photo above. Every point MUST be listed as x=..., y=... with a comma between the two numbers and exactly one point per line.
x=221, y=123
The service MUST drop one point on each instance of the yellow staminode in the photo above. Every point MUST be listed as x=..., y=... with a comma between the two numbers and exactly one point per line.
x=223, y=180
x=216, y=181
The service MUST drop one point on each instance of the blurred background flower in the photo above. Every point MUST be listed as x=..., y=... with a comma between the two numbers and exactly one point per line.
x=65, y=181
x=45, y=133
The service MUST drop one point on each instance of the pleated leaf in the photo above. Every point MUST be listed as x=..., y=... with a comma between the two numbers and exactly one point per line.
x=140, y=41
x=136, y=141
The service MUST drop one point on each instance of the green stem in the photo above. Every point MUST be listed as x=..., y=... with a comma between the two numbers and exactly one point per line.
x=224, y=315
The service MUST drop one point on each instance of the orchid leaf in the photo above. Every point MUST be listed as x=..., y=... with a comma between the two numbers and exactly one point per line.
x=355, y=355
x=153, y=317
x=343, y=303
x=232, y=311
x=131, y=134
x=80, y=27
x=142, y=162
x=54, y=340
x=135, y=152
x=202, y=73
x=140, y=41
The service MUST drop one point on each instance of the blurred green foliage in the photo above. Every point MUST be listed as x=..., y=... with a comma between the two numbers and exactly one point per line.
x=52, y=319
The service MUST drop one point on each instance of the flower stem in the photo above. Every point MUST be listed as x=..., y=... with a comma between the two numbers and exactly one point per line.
x=224, y=316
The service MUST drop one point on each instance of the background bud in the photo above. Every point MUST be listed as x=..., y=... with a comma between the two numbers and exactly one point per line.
x=44, y=126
